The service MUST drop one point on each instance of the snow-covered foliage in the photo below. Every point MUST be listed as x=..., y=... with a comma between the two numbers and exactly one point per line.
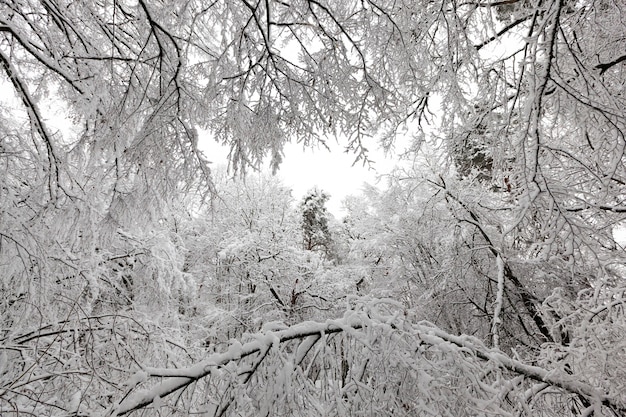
x=133, y=279
x=316, y=234
x=246, y=249
x=369, y=362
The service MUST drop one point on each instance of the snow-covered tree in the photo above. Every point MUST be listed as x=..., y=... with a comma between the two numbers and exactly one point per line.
x=511, y=239
x=246, y=251
x=374, y=362
x=315, y=222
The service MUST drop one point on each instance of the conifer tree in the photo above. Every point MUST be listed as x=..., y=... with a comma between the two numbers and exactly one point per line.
x=315, y=231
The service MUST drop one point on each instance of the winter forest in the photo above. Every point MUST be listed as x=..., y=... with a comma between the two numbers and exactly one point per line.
x=484, y=277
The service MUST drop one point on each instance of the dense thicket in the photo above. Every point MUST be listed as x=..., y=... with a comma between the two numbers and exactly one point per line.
x=486, y=279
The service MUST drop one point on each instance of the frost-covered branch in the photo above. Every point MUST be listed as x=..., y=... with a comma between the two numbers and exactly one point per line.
x=33, y=50
x=37, y=123
x=529, y=300
x=365, y=329
x=181, y=378
x=555, y=379
x=499, y=300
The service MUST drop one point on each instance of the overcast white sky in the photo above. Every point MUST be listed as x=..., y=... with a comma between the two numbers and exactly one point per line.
x=332, y=172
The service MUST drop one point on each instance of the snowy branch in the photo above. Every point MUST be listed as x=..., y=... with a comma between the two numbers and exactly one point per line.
x=37, y=122
x=181, y=378
x=309, y=333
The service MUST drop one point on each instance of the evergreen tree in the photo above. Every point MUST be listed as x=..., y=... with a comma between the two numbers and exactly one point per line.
x=316, y=234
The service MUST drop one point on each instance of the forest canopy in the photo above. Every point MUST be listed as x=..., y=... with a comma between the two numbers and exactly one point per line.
x=487, y=278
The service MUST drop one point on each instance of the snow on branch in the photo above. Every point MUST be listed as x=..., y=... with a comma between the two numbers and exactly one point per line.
x=536, y=373
x=418, y=366
x=36, y=121
x=181, y=378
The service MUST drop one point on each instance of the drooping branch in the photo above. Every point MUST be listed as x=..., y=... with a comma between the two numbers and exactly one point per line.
x=32, y=50
x=309, y=333
x=177, y=379
x=532, y=372
x=36, y=120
